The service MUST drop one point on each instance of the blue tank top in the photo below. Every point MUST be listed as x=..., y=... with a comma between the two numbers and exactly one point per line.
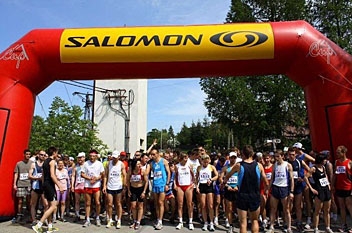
x=159, y=170
x=233, y=180
x=249, y=178
x=37, y=172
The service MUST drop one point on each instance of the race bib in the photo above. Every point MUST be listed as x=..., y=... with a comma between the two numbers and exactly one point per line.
x=340, y=170
x=157, y=175
x=233, y=180
x=268, y=176
x=23, y=176
x=39, y=175
x=115, y=174
x=80, y=180
x=324, y=182
x=280, y=174
x=136, y=178
x=295, y=174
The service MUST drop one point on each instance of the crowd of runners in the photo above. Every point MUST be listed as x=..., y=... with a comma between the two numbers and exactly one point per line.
x=241, y=188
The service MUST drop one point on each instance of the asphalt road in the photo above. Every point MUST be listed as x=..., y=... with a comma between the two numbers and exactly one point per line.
x=22, y=227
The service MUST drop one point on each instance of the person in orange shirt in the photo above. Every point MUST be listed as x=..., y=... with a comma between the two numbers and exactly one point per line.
x=342, y=184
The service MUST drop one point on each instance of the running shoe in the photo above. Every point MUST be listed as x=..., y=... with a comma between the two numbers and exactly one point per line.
x=179, y=226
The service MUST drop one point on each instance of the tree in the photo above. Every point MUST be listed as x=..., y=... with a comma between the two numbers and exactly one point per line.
x=333, y=18
x=65, y=129
x=258, y=108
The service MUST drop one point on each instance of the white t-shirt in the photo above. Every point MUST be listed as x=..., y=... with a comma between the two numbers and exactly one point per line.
x=93, y=170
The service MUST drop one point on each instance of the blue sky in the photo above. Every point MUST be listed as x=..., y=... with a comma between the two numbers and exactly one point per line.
x=177, y=100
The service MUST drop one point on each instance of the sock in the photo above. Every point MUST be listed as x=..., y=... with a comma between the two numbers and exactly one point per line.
x=160, y=221
x=190, y=220
x=97, y=218
x=39, y=224
x=180, y=220
x=50, y=225
x=77, y=213
x=88, y=219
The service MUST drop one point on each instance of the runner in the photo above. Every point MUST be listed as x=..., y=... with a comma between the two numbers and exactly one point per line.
x=114, y=183
x=282, y=188
x=22, y=183
x=78, y=184
x=137, y=184
x=249, y=175
x=49, y=182
x=161, y=171
x=231, y=190
x=35, y=175
x=206, y=175
x=322, y=192
x=184, y=188
x=93, y=173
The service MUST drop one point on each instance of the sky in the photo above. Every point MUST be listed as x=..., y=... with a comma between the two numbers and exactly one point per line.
x=179, y=100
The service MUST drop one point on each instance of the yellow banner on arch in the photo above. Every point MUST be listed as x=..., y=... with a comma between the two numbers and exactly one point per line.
x=168, y=44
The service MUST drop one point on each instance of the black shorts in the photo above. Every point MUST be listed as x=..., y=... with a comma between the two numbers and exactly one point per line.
x=248, y=202
x=343, y=193
x=38, y=191
x=136, y=194
x=205, y=188
x=230, y=195
x=49, y=192
x=324, y=194
x=114, y=192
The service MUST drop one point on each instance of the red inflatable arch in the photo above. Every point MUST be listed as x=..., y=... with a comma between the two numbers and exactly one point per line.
x=296, y=49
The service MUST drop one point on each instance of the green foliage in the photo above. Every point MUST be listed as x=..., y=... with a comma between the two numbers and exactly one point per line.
x=333, y=18
x=65, y=129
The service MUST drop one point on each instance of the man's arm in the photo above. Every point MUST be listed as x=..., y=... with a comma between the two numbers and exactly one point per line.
x=234, y=169
x=53, y=175
x=290, y=172
x=167, y=168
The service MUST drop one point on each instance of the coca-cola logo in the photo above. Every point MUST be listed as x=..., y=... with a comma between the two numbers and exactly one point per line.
x=321, y=48
x=16, y=53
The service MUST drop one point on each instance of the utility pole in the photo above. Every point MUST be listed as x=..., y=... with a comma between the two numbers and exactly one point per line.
x=88, y=104
x=117, y=100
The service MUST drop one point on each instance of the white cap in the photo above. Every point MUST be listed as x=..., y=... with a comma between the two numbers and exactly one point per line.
x=233, y=153
x=71, y=158
x=115, y=154
x=297, y=145
x=259, y=154
x=81, y=154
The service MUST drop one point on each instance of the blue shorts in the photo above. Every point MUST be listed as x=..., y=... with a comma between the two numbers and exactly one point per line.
x=158, y=189
x=299, y=187
x=217, y=190
x=280, y=192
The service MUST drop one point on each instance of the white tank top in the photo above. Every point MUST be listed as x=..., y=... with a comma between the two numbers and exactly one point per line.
x=204, y=174
x=281, y=174
x=184, y=175
x=115, y=176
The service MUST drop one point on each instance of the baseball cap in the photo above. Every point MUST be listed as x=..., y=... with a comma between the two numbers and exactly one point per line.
x=123, y=153
x=233, y=153
x=71, y=158
x=81, y=154
x=115, y=154
x=259, y=154
x=297, y=145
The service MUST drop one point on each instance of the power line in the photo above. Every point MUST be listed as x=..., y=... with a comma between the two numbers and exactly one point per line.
x=41, y=104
